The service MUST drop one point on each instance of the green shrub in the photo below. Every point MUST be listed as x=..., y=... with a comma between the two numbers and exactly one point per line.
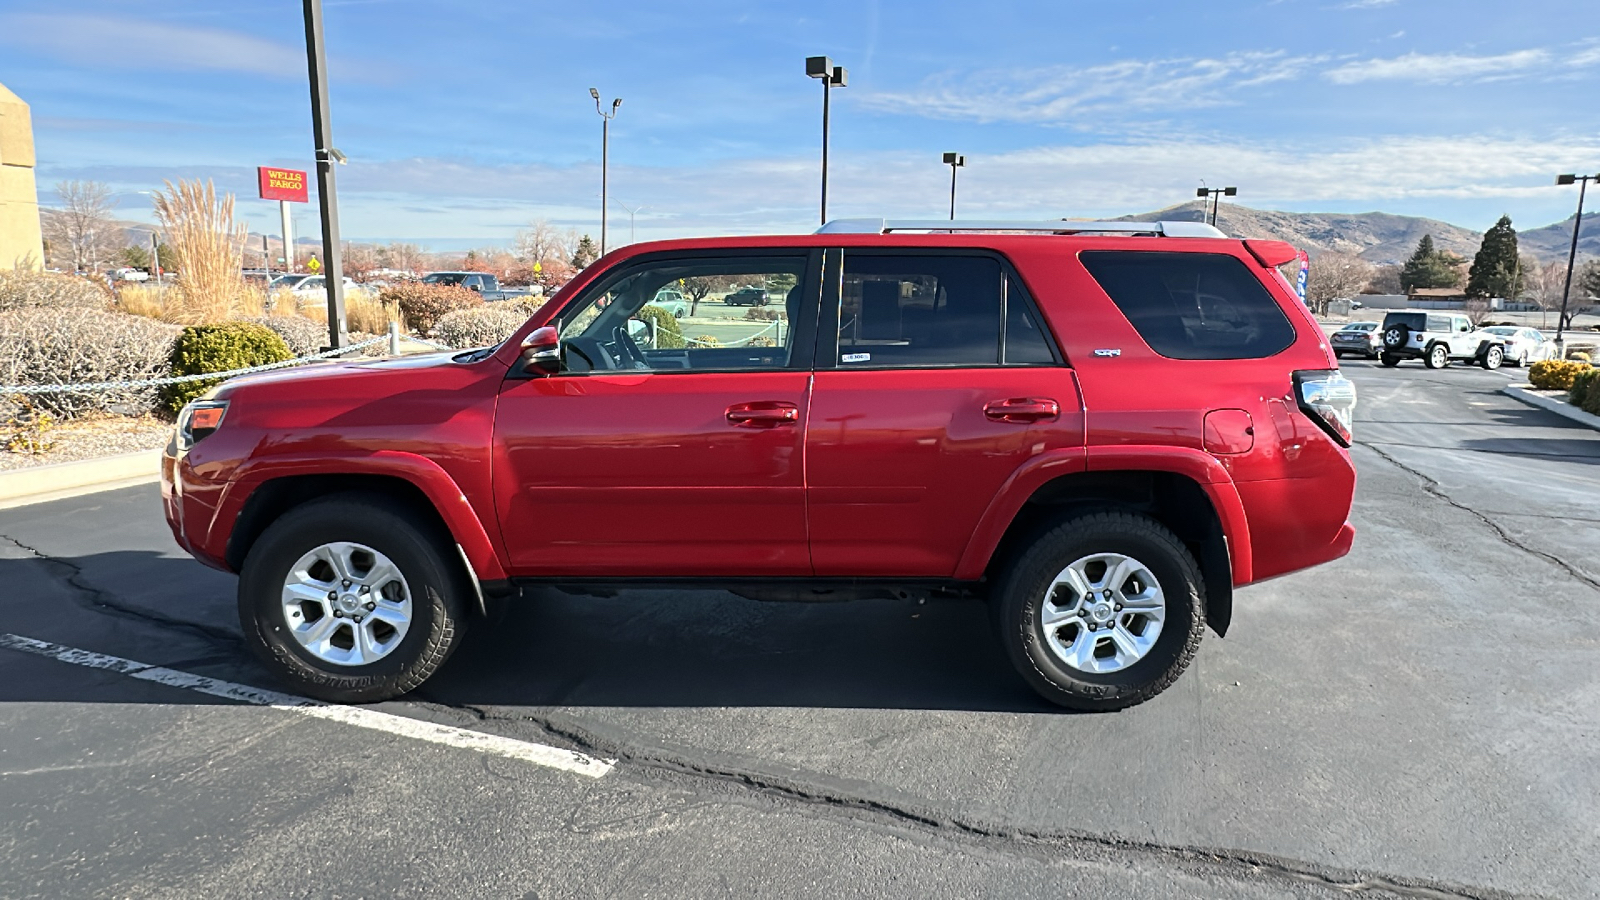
x=1555, y=374
x=668, y=335
x=422, y=305
x=219, y=348
x=1582, y=386
x=27, y=289
x=1591, y=397
x=763, y=314
x=82, y=346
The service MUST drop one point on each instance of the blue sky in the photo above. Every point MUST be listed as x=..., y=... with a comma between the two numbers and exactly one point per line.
x=464, y=121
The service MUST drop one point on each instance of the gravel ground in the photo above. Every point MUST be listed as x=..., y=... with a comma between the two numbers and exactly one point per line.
x=87, y=439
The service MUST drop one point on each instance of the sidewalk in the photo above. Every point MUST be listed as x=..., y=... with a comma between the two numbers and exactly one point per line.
x=1554, y=401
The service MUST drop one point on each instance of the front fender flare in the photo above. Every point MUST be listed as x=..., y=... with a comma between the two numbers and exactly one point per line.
x=423, y=473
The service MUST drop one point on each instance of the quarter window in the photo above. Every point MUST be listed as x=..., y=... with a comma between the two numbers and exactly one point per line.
x=1192, y=305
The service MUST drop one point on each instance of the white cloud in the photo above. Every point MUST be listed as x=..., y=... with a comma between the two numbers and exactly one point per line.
x=1062, y=93
x=144, y=44
x=1459, y=68
x=1366, y=4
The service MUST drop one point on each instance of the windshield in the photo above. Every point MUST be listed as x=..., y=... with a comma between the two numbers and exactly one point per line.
x=445, y=278
x=1360, y=326
x=1502, y=330
x=287, y=281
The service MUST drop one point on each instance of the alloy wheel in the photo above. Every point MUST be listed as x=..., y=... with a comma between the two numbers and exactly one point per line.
x=347, y=604
x=1102, y=613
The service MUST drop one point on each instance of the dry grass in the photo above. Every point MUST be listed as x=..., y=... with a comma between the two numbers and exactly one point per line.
x=171, y=304
x=361, y=313
x=200, y=228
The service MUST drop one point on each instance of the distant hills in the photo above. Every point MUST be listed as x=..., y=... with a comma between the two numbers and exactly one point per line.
x=1376, y=237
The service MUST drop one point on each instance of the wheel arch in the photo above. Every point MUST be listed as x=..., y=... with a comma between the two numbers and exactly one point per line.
x=1175, y=499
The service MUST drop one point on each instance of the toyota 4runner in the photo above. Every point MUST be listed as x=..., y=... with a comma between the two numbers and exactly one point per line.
x=1100, y=429
x=1436, y=339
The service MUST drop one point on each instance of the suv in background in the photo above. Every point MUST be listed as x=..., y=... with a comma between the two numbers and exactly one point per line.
x=1436, y=338
x=1101, y=429
x=749, y=296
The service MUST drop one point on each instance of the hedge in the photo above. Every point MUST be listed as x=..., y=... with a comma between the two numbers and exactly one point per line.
x=219, y=348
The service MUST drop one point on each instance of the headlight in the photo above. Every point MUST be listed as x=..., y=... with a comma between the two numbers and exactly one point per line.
x=1329, y=399
x=198, y=420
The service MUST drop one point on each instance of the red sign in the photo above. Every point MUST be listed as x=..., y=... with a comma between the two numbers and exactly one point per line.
x=282, y=184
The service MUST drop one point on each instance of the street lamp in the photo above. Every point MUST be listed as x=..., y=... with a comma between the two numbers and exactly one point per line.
x=1572, y=255
x=954, y=161
x=631, y=211
x=832, y=76
x=605, y=155
x=1215, y=194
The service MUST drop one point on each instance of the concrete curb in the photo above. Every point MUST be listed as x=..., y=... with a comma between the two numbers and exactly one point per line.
x=41, y=484
x=1524, y=393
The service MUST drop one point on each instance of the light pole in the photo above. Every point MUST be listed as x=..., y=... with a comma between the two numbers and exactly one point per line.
x=326, y=156
x=605, y=155
x=954, y=161
x=1215, y=194
x=832, y=76
x=631, y=210
x=1572, y=255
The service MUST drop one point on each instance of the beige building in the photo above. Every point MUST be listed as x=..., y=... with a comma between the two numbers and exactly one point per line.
x=19, y=198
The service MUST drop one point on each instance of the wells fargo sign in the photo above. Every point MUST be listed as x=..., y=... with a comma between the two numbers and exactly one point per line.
x=282, y=184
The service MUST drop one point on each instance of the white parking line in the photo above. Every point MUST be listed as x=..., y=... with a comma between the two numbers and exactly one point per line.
x=527, y=751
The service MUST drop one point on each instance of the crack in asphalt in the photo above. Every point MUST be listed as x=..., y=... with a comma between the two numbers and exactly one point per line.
x=663, y=767
x=1234, y=864
x=1432, y=487
x=104, y=599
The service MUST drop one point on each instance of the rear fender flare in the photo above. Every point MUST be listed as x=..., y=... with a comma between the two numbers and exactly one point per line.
x=423, y=473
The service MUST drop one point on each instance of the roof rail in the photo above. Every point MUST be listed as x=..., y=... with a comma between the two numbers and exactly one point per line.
x=885, y=226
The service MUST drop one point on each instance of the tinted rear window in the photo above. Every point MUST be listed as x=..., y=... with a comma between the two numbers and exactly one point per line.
x=1413, y=321
x=1192, y=305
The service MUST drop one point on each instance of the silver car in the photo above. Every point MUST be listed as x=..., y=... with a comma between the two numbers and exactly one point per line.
x=1524, y=345
x=1357, y=337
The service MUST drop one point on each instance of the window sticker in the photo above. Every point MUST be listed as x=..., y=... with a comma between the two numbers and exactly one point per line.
x=856, y=357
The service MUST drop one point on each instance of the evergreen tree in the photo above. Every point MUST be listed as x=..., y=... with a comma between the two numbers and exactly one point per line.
x=1496, y=270
x=136, y=256
x=585, y=253
x=1428, y=267
x=1586, y=283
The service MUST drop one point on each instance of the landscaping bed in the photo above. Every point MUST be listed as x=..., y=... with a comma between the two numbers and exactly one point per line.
x=90, y=438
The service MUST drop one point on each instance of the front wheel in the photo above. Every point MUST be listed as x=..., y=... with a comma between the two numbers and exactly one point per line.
x=1493, y=357
x=1101, y=612
x=352, y=598
x=1438, y=357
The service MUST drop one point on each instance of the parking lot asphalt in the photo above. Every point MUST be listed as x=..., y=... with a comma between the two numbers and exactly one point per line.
x=1418, y=719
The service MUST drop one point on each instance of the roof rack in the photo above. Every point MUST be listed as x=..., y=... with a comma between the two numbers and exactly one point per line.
x=885, y=226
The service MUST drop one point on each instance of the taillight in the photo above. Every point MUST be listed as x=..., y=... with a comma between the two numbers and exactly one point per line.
x=1329, y=399
x=198, y=420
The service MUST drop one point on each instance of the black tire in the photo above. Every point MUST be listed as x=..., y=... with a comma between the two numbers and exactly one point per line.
x=1492, y=358
x=1396, y=336
x=1437, y=356
x=1389, y=360
x=1020, y=592
x=418, y=548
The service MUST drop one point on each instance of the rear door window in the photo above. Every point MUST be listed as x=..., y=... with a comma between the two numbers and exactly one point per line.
x=915, y=311
x=1438, y=323
x=1192, y=305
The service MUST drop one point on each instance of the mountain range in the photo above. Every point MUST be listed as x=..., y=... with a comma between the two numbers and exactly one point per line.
x=1376, y=237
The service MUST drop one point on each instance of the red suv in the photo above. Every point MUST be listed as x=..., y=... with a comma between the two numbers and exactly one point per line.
x=1101, y=429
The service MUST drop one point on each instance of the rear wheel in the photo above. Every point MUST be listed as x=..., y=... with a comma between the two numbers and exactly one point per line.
x=1101, y=612
x=1493, y=357
x=1389, y=360
x=1438, y=357
x=352, y=598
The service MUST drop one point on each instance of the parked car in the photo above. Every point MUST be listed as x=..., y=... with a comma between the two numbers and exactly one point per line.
x=1524, y=346
x=1437, y=338
x=289, y=281
x=482, y=282
x=749, y=296
x=313, y=290
x=128, y=273
x=1357, y=337
x=673, y=301
x=1103, y=429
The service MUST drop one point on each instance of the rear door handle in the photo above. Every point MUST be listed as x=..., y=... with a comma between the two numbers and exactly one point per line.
x=763, y=414
x=1022, y=409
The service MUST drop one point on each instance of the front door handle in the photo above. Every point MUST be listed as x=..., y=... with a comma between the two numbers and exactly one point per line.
x=1022, y=409
x=763, y=414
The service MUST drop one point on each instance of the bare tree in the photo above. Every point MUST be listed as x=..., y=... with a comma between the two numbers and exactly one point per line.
x=405, y=257
x=83, y=228
x=1477, y=309
x=1334, y=275
x=541, y=241
x=1386, y=279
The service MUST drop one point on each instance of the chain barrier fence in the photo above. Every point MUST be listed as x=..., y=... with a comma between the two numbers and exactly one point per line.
x=31, y=389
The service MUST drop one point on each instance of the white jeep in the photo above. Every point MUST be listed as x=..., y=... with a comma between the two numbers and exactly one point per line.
x=1436, y=338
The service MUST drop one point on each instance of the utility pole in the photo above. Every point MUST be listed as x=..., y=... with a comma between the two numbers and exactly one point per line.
x=327, y=155
x=832, y=76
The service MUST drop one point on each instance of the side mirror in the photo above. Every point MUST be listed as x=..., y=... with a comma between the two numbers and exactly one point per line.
x=476, y=286
x=541, y=351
